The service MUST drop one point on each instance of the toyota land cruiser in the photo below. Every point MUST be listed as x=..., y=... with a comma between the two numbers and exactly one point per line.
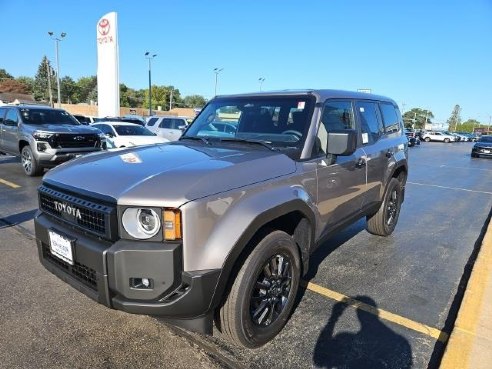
x=219, y=225
x=44, y=137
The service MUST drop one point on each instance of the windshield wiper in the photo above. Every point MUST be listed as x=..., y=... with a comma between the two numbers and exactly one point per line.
x=203, y=139
x=266, y=144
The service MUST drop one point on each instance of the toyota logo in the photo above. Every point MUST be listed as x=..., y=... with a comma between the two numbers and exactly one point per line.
x=78, y=138
x=103, y=27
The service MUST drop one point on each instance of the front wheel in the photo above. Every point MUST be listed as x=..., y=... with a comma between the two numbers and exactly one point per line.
x=427, y=139
x=383, y=223
x=262, y=296
x=29, y=162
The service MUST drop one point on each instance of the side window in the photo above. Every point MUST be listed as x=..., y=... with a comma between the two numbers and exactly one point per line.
x=151, y=121
x=370, y=124
x=166, y=123
x=104, y=129
x=11, y=119
x=336, y=115
x=390, y=118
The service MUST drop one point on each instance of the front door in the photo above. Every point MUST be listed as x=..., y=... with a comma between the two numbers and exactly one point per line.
x=10, y=141
x=341, y=179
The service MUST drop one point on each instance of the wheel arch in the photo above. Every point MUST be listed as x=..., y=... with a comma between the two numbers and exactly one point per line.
x=294, y=217
x=22, y=143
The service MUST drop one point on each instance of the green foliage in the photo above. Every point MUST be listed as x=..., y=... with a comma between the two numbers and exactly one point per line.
x=86, y=89
x=28, y=82
x=5, y=75
x=194, y=101
x=40, y=86
x=455, y=118
x=417, y=117
x=69, y=90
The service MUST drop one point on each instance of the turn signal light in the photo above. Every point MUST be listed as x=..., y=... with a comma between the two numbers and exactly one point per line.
x=172, y=224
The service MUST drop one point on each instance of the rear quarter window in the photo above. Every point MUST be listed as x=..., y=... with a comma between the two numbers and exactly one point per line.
x=390, y=117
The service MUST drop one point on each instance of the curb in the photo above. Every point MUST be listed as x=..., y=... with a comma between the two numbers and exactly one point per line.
x=470, y=343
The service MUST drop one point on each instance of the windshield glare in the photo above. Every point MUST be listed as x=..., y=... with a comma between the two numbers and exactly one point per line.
x=135, y=130
x=280, y=121
x=47, y=116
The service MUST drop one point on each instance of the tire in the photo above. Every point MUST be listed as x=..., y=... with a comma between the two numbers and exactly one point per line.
x=474, y=155
x=258, y=304
x=383, y=223
x=427, y=139
x=446, y=140
x=29, y=163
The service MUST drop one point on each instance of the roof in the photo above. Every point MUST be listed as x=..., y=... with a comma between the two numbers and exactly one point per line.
x=117, y=123
x=321, y=93
x=28, y=106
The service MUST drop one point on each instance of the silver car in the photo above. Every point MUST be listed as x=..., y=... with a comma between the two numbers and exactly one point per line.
x=219, y=225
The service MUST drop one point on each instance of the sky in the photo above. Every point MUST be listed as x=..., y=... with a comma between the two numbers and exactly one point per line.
x=431, y=54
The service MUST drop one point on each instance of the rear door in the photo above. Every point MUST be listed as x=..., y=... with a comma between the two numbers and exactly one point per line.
x=374, y=146
x=341, y=179
x=2, y=116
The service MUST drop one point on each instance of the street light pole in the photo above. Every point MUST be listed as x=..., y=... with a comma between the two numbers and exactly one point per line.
x=57, y=40
x=150, y=57
x=261, y=80
x=217, y=71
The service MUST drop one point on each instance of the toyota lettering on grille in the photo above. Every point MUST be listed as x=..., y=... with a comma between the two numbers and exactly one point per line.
x=70, y=210
x=78, y=138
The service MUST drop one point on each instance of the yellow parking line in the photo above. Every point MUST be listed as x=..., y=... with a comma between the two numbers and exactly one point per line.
x=386, y=315
x=470, y=333
x=7, y=183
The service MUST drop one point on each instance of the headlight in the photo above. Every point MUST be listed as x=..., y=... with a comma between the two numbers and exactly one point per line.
x=141, y=223
x=40, y=135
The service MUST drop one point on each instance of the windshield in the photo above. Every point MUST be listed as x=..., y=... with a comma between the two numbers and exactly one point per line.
x=485, y=139
x=135, y=130
x=279, y=121
x=47, y=116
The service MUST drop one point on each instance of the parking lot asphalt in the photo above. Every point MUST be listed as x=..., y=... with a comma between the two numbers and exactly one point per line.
x=368, y=301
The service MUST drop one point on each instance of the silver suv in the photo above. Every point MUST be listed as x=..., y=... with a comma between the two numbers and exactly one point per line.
x=220, y=224
x=44, y=137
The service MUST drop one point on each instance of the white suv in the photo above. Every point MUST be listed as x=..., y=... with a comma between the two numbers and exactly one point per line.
x=438, y=136
x=170, y=127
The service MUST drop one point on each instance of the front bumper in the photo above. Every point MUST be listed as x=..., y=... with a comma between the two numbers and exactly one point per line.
x=482, y=151
x=104, y=271
x=51, y=158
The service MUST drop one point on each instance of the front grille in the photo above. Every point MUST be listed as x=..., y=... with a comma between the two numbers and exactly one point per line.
x=95, y=218
x=79, y=271
x=71, y=141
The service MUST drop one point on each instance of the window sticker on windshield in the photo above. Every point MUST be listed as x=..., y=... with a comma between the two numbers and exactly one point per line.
x=362, y=110
x=301, y=105
x=365, y=137
x=131, y=158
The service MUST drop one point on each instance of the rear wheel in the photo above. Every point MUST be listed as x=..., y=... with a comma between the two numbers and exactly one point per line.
x=446, y=140
x=29, y=162
x=383, y=223
x=262, y=296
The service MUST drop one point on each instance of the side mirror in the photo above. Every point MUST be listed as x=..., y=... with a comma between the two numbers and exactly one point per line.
x=342, y=142
x=10, y=122
x=110, y=135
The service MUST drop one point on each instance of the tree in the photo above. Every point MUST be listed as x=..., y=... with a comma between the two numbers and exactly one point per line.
x=194, y=101
x=14, y=86
x=68, y=89
x=28, y=81
x=5, y=75
x=86, y=89
x=417, y=118
x=455, y=118
x=40, y=87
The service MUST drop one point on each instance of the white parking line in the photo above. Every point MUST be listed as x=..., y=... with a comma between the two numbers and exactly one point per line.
x=450, y=188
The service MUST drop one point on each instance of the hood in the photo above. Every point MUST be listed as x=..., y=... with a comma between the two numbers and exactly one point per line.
x=169, y=175
x=62, y=128
x=144, y=140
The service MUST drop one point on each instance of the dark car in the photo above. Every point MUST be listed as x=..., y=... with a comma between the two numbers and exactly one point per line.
x=413, y=141
x=483, y=147
x=121, y=119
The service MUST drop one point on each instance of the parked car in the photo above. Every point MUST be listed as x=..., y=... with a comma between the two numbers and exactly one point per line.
x=124, y=134
x=413, y=141
x=483, y=147
x=438, y=136
x=44, y=137
x=135, y=120
x=219, y=228
x=84, y=119
x=170, y=127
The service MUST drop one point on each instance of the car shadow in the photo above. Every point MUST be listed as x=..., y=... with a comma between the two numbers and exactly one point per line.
x=373, y=346
x=5, y=159
x=15, y=219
